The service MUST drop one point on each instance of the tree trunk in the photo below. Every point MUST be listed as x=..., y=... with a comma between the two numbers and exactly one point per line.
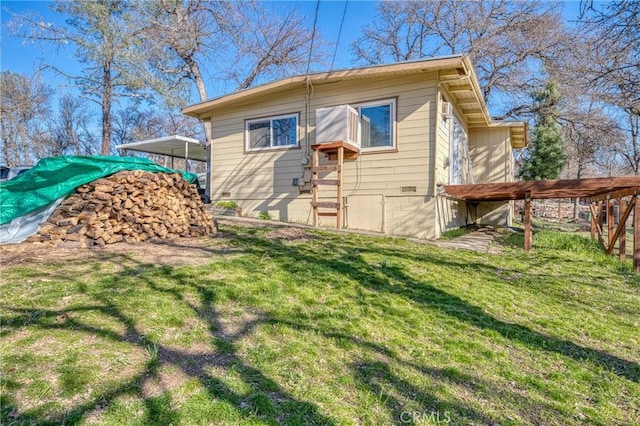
x=107, y=93
x=6, y=151
x=202, y=91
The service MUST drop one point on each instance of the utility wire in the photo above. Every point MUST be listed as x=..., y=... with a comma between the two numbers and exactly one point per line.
x=344, y=13
x=309, y=88
x=313, y=36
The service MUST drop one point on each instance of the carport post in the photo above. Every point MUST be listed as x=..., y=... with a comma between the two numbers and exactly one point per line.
x=186, y=155
x=528, y=234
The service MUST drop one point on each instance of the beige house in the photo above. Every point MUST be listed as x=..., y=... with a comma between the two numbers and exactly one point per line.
x=407, y=128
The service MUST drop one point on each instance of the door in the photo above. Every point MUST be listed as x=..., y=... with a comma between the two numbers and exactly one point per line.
x=459, y=153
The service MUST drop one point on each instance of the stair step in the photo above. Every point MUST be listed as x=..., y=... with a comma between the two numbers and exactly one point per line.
x=316, y=182
x=325, y=204
x=326, y=168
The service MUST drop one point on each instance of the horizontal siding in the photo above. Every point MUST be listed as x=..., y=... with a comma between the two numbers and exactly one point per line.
x=403, y=215
x=491, y=155
x=451, y=214
x=410, y=216
x=272, y=172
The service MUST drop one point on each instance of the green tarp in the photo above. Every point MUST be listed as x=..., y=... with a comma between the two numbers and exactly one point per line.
x=56, y=177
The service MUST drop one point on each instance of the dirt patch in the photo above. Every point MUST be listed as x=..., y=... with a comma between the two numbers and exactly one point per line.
x=168, y=379
x=185, y=251
x=289, y=235
x=177, y=252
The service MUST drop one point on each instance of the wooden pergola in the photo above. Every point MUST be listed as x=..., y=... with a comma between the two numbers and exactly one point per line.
x=602, y=194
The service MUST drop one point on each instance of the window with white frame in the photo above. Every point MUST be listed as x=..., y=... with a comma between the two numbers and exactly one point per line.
x=377, y=124
x=271, y=132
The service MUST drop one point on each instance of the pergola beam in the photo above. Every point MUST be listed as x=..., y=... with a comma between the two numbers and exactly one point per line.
x=595, y=188
x=616, y=194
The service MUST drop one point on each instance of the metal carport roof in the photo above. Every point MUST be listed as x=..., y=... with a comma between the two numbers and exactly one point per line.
x=172, y=146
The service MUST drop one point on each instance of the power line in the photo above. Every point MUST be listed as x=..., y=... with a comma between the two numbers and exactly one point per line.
x=344, y=13
x=313, y=35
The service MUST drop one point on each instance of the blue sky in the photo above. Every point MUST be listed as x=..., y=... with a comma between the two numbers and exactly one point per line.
x=16, y=56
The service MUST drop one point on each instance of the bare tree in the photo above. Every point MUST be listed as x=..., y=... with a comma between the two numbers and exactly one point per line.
x=608, y=70
x=239, y=41
x=70, y=130
x=24, y=104
x=628, y=148
x=101, y=33
x=275, y=45
x=133, y=125
x=615, y=49
x=589, y=132
x=509, y=42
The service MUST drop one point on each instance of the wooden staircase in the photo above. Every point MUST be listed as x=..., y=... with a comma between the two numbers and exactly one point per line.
x=338, y=152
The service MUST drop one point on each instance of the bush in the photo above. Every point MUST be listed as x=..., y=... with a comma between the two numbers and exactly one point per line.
x=264, y=215
x=227, y=204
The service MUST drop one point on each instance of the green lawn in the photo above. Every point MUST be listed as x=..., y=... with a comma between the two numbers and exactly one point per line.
x=311, y=327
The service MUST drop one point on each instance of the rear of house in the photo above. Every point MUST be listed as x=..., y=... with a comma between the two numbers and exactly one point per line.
x=416, y=125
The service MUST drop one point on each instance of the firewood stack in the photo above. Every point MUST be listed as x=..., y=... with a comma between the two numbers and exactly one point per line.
x=129, y=206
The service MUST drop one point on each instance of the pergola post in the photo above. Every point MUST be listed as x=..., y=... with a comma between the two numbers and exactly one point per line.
x=622, y=245
x=610, y=222
x=599, y=224
x=636, y=234
x=528, y=232
x=600, y=216
x=593, y=221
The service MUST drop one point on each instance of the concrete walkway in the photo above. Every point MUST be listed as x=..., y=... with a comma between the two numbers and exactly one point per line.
x=474, y=240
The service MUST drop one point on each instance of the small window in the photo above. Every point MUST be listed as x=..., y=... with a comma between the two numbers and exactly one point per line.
x=377, y=124
x=270, y=133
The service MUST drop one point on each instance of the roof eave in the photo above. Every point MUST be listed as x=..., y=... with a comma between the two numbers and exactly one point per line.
x=197, y=110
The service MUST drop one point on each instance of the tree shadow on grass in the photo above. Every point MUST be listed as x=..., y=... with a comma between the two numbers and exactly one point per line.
x=393, y=279
x=377, y=371
x=266, y=401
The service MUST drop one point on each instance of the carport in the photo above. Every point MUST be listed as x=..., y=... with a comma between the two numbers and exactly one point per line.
x=602, y=194
x=172, y=146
